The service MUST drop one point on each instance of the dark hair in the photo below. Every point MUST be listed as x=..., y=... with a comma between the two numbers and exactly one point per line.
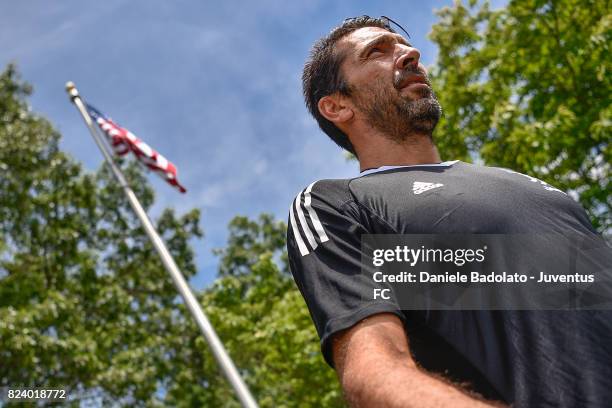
x=322, y=77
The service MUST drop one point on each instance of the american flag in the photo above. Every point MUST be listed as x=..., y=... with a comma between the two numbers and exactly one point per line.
x=123, y=141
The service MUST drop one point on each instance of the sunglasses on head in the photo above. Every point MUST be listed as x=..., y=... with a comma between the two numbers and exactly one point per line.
x=386, y=21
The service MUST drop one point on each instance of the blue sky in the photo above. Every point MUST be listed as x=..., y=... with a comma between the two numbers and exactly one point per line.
x=213, y=86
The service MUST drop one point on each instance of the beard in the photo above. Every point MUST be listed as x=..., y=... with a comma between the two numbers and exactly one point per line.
x=396, y=116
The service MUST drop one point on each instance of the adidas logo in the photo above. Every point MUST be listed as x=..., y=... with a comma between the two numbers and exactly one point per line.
x=419, y=187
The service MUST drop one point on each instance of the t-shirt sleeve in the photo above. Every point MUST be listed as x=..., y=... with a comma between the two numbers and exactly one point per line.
x=325, y=257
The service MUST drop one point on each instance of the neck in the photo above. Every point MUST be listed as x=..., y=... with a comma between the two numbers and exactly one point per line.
x=382, y=151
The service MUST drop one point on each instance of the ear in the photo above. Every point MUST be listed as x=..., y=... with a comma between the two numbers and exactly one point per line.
x=335, y=108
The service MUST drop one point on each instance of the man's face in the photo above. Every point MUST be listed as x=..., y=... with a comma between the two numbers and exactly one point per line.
x=388, y=84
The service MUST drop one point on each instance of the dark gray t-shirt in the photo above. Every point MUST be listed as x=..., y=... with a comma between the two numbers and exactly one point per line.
x=529, y=358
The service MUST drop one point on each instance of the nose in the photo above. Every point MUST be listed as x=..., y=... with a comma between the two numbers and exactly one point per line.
x=408, y=59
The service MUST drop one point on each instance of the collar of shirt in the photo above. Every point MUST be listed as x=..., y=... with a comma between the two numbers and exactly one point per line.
x=384, y=168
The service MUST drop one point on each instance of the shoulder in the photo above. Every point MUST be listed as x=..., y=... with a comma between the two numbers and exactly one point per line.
x=334, y=192
x=320, y=211
x=326, y=196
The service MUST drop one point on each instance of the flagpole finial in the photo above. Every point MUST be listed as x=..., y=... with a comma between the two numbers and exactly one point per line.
x=71, y=89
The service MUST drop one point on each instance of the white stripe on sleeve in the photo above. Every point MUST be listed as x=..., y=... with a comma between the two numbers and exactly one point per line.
x=313, y=215
x=296, y=233
x=298, y=208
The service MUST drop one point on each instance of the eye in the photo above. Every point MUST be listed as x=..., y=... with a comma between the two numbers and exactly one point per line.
x=374, y=50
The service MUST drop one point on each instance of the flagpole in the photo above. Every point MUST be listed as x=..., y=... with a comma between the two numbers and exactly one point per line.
x=225, y=362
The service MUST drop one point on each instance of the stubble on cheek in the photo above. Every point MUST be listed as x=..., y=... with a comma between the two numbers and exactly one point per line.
x=398, y=114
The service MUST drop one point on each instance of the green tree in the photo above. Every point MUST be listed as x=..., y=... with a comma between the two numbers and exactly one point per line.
x=528, y=87
x=248, y=241
x=258, y=311
x=85, y=303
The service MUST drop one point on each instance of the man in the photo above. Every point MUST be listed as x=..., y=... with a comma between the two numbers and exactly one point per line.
x=367, y=89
